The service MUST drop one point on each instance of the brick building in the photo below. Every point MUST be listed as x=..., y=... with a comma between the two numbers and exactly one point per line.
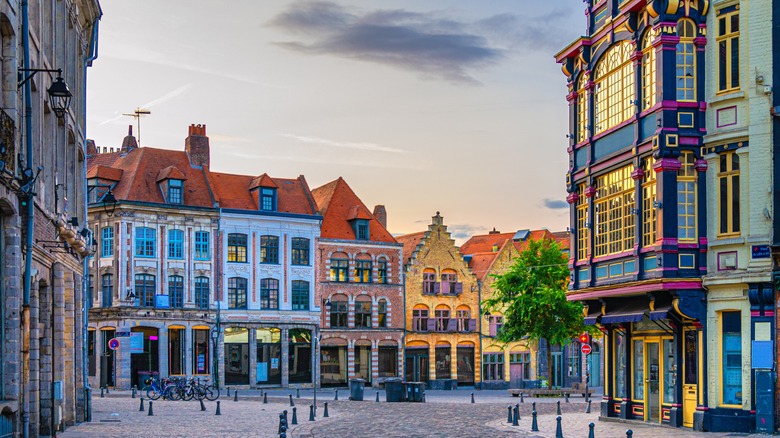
x=360, y=285
x=442, y=305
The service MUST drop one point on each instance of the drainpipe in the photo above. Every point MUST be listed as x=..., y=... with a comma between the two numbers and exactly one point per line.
x=403, y=333
x=30, y=225
x=479, y=312
x=93, y=54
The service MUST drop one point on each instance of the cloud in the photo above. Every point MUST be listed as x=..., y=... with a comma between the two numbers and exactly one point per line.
x=339, y=144
x=464, y=231
x=164, y=98
x=554, y=204
x=335, y=161
x=430, y=44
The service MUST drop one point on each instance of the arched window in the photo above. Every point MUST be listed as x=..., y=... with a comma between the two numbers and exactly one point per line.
x=686, y=197
x=582, y=109
x=381, y=270
x=420, y=318
x=648, y=69
x=269, y=294
x=442, y=314
x=429, y=282
x=363, y=268
x=382, y=313
x=338, y=311
x=686, y=61
x=339, y=267
x=463, y=315
x=363, y=311
x=614, y=87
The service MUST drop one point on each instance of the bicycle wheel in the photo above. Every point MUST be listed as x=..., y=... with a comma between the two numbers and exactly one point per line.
x=187, y=393
x=153, y=393
x=200, y=392
x=173, y=392
x=212, y=393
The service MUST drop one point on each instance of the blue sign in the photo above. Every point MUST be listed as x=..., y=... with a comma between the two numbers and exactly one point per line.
x=162, y=301
x=761, y=252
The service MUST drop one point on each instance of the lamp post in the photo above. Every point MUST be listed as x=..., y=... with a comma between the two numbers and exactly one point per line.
x=215, y=331
x=59, y=93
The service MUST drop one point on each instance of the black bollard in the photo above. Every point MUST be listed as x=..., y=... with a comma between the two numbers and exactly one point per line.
x=265, y=398
x=472, y=397
x=107, y=392
x=141, y=409
x=218, y=412
x=311, y=412
x=521, y=397
x=134, y=388
x=325, y=414
x=629, y=433
x=517, y=411
x=298, y=393
x=559, y=407
x=292, y=403
x=566, y=397
x=284, y=412
x=102, y=388
x=533, y=406
x=283, y=433
x=377, y=396
x=509, y=414
x=151, y=413
x=281, y=423
x=558, y=430
x=295, y=416
x=587, y=410
x=590, y=432
x=228, y=394
x=534, y=425
x=202, y=406
x=337, y=395
x=235, y=395
x=516, y=417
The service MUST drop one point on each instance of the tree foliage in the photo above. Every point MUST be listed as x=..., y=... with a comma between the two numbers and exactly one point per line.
x=531, y=295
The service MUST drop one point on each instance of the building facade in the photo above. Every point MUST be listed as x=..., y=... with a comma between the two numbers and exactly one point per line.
x=199, y=273
x=442, y=308
x=360, y=286
x=636, y=183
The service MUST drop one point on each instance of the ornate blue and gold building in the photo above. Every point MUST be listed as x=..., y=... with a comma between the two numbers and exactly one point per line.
x=636, y=184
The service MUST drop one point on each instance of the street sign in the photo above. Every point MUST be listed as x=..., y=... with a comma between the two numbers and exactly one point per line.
x=113, y=343
x=585, y=349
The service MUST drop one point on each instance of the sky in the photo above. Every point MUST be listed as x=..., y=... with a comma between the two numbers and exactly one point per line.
x=451, y=106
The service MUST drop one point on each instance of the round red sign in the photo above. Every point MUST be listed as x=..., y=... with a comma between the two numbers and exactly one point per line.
x=113, y=343
x=585, y=349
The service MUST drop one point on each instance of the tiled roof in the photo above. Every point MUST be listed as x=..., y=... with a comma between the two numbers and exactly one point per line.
x=485, y=242
x=233, y=191
x=410, y=242
x=170, y=172
x=480, y=263
x=338, y=204
x=562, y=237
x=105, y=172
x=263, y=181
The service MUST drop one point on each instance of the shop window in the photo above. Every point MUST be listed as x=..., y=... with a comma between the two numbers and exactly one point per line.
x=620, y=365
x=200, y=351
x=443, y=362
x=269, y=294
x=731, y=351
x=728, y=194
x=269, y=356
x=388, y=361
x=91, y=352
x=269, y=249
x=465, y=365
x=299, y=357
x=639, y=370
x=493, y=366
x=176, y=351
x=670, y=369
x=236, y=248
x=237, y=293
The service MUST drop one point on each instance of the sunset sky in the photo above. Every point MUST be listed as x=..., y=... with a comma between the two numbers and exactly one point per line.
x=454, y=106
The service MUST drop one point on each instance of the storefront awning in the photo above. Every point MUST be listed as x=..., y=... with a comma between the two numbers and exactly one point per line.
x=592, y=317
x=660, y=313
x=630, y=311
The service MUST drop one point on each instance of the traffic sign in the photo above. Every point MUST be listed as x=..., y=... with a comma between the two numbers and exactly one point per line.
x=585, y=349
x=113, y=343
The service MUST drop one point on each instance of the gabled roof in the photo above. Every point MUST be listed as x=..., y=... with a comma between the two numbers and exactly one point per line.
x=170, y=172
x=480, y=263
x=232, y=191
x=410, y=242
x=484, y=242
x=481, y=247
x=105, y=173
x=338, y=204
x=263, y=181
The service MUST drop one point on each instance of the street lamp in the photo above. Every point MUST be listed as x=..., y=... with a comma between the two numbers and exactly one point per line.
x=58, y=92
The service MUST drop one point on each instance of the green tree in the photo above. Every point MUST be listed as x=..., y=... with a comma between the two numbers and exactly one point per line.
x=532, y=297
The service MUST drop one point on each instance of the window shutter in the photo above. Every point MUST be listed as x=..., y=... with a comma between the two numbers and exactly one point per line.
x=458, y=288
x=431, y=324
x=452, y=325
x=445, y=287
x=436, y=287
x=472, y=325
x=493, y=330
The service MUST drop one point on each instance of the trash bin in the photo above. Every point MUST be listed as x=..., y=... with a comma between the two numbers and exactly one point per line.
x=394, y=390
x=356, y=387
x=415, y=391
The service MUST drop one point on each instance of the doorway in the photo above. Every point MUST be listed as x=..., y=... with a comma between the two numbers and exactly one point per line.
x=557, y=369
x=146, y=363
x=107, y=359
x=236, y=356
x=594, y=366
x=653, y=394
x=416, y=365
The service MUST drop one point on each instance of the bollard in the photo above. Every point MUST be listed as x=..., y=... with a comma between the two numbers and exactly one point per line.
x=228, y=394
x=533, y=406
x=107, y=392
x=509, y=414
x=559, y=407
x=235, y=395
x=151, y=413
x=218, y=412
x=281, y=423
x=534, y=425
x=587, y=410
x=590, y=432
x=141, y=409
x=558, y=430
x=265, y=398
x=517, y=411
x=102, y=388
x=202, y=406
x=629, y=433
x=516, y=417
x=566, y=397
x=521, y=397
x=472, y=397
x=337, y=395
x=295, y=416
x=325, y=414
x=284, y=412
x=311, y=412
x=134, y=388
x=298, y=393
x=283, y=432
x=292, y=403
x=377, y=396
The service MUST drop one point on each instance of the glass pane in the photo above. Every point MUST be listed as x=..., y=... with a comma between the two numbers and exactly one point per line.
x=735, y=203
x=670, y=370
x=691, y=358
x=735, y=62
x=620, y=376
x=639, y=370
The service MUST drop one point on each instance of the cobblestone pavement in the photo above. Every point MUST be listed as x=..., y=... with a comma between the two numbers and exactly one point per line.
x=446, y=414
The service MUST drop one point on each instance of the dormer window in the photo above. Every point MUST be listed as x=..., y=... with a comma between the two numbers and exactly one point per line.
x=361, y=229
x=175, y=191
x=267, y=199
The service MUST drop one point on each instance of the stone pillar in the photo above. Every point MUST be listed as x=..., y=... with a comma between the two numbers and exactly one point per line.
x=162, y=345
x=350, y=359
x=33, y=388
x=375, y=363
x=69, y=374
x=79, y=346
x=44, y=416
x=59, y=349
x=252, y=357
x=285, y=337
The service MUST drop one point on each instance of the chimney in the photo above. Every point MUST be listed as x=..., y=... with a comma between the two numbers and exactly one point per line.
x=129, y=143
x=380, y=213
x=197, y=146
x=494, y=231
x=91, y=148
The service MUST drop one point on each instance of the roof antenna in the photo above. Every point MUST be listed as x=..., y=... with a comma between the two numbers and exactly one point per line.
x=137, y=116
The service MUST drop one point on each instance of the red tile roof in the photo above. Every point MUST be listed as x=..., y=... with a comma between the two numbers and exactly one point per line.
x=105, y=172
x=480, y=263
x=170, y=172
x=410, y=242
x=263, y=181
x=233, y=191
x=485, y=242
x=338, y=204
